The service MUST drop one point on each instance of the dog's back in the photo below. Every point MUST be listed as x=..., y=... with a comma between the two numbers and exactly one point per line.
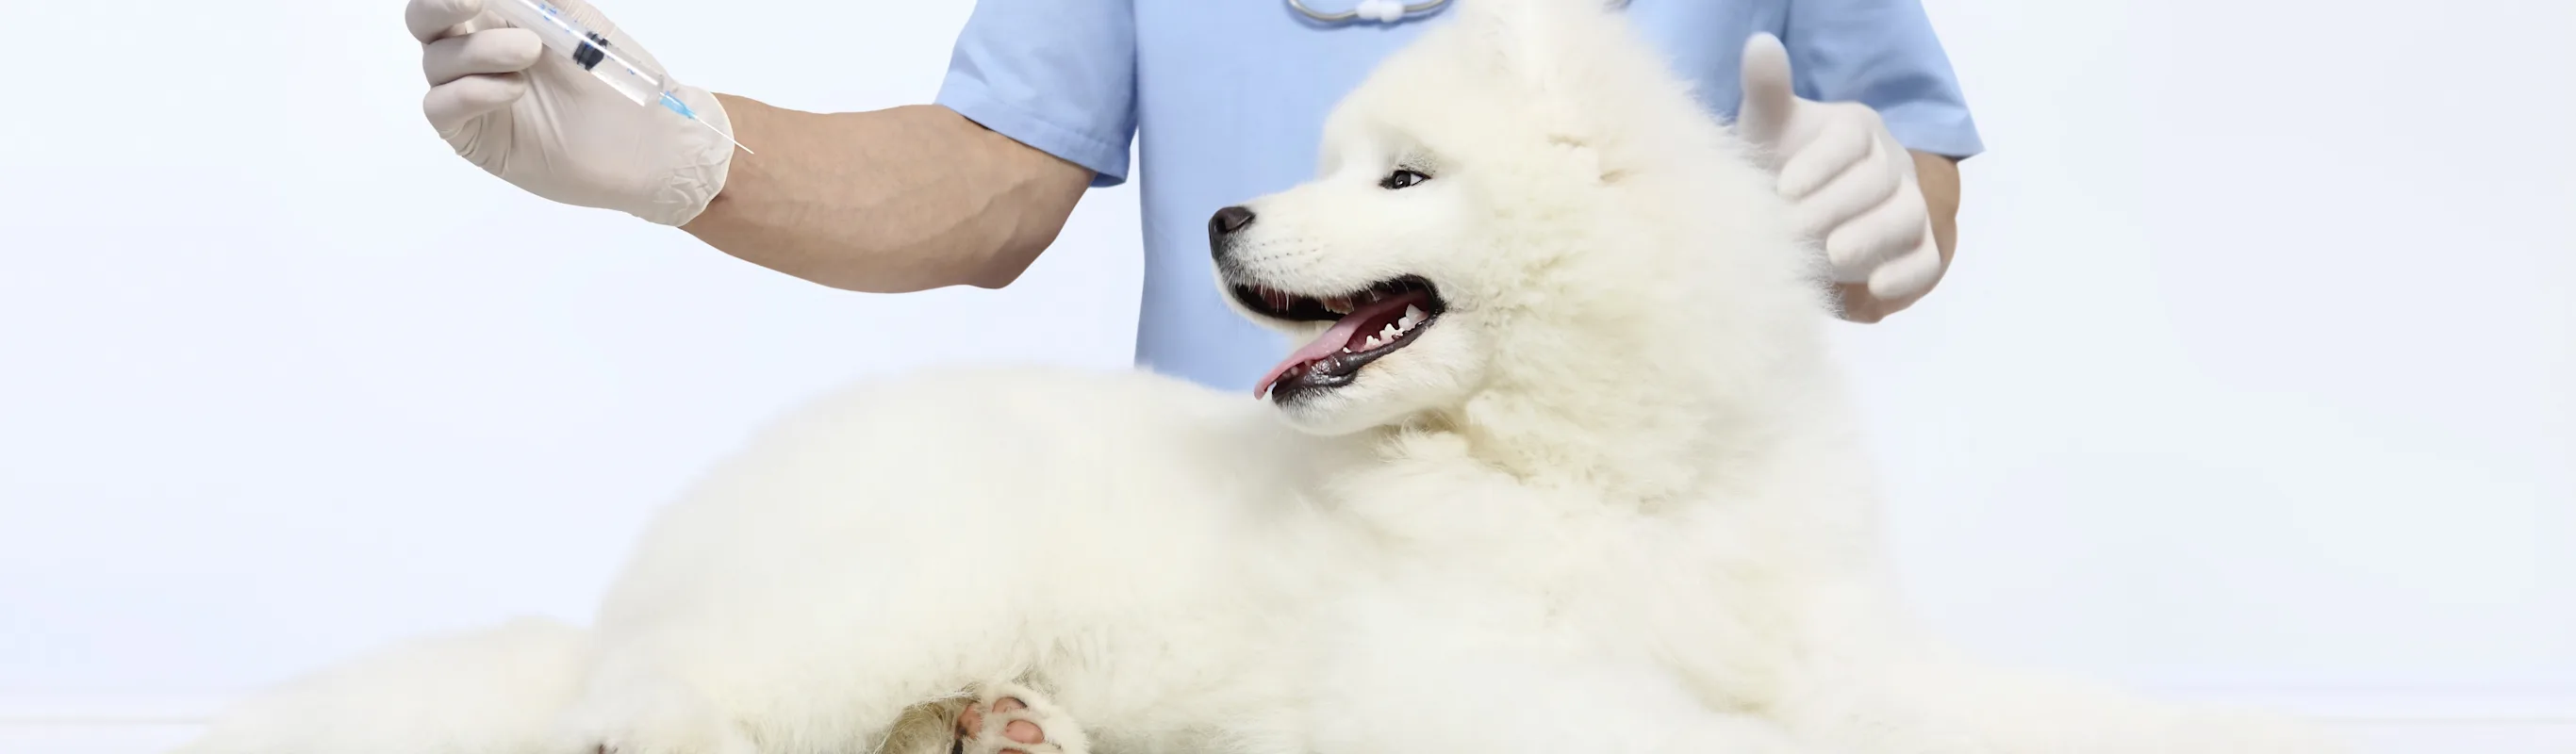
x=839, y=582
x=905, y=540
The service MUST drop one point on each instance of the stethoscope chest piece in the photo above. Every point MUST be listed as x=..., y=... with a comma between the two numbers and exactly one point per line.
x=1385, y=11
x=1381, y=11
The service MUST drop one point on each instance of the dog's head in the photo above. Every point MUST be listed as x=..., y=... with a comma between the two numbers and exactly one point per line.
x=1524, y=196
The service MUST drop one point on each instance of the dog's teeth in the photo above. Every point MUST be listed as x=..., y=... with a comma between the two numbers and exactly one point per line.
x=1413, y=314
x=1388, y=333
x=1372, y=343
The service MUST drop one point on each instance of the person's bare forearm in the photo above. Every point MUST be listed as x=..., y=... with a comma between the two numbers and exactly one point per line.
x=1939, y=176
x=888, y=201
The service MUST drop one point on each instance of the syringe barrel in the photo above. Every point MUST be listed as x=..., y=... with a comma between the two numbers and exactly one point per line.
x=570, y=37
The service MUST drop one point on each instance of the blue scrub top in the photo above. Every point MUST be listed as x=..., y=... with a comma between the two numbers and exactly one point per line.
x=1229, y=97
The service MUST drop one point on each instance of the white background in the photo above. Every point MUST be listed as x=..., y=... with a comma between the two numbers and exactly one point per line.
x=2256, y=376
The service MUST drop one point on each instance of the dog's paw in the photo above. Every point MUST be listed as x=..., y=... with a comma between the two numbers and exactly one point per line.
x=1008, y=718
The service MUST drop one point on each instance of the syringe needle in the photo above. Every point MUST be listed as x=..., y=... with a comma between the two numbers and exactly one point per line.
x=727, y=136
x=674, y=104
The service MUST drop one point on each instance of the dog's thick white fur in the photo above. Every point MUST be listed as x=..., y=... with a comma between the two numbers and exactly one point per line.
x=1608, y=500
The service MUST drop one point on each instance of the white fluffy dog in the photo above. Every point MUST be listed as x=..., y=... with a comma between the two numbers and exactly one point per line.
x=1564, y=468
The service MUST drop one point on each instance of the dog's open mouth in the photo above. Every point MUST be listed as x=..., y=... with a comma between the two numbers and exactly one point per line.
x=1367, y=324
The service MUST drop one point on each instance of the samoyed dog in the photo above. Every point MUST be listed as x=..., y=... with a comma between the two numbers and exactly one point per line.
x=1561, y=467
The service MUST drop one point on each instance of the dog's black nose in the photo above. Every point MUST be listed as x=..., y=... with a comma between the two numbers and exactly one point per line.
x=1227, y=221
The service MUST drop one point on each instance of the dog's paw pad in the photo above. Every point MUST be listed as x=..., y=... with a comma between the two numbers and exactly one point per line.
x=1012, y=719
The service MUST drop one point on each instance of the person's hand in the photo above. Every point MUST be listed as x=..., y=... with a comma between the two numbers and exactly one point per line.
x=1848, y=181
x=544, y=125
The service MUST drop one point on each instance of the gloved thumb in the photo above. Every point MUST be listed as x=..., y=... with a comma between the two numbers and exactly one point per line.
x=1769, y=96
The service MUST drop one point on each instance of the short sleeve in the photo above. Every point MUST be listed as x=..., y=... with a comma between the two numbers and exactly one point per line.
x=1882, y=53
x=1057, y=75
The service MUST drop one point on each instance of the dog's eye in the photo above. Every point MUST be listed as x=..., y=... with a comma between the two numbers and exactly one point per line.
x=1401, y=178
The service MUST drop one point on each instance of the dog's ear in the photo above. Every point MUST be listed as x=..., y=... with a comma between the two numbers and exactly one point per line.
x=1553, y=52
x=1544, y=45
x=1577, y=68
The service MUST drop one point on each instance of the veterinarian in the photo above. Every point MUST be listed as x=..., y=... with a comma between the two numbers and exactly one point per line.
x=1853, y=99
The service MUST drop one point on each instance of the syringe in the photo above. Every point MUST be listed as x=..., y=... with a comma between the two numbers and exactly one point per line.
x=570, y=36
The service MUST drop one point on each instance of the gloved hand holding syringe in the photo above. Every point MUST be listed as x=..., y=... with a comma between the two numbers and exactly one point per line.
x=570, y=36
x=549, y=96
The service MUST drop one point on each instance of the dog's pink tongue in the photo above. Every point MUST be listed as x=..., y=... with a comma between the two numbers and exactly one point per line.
x=1334, y=339
x=1315, y=350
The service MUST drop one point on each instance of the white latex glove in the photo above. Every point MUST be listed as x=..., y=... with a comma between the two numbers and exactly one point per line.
x=509, y=106
x=1848, y=181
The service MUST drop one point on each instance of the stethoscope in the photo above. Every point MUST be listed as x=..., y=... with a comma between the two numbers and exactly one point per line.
x=1386, y=11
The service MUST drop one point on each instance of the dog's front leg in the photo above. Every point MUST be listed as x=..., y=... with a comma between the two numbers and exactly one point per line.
x=1927, y=702
x=1527, y=703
